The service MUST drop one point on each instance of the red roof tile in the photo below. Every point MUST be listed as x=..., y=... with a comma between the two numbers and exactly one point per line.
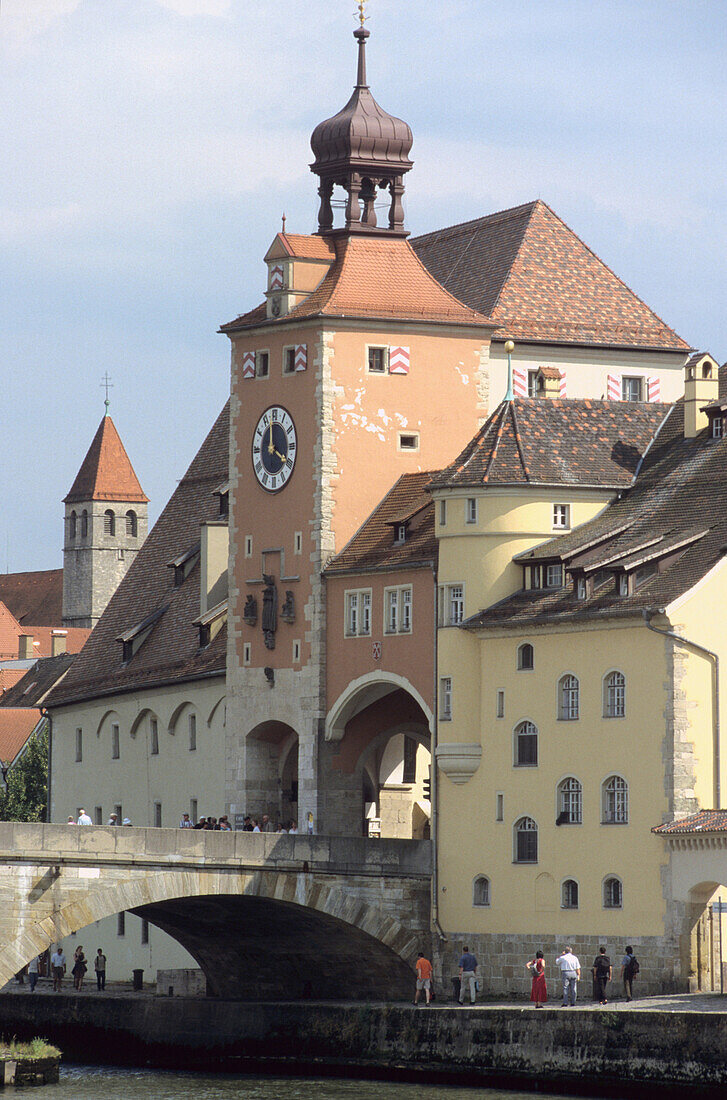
x=106, y=472
x=16, y=726
x=305, y=247
x=34, y=597
x=530, y=272
x=706, y=821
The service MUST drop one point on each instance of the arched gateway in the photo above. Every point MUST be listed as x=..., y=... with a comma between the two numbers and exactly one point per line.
x=266, y=916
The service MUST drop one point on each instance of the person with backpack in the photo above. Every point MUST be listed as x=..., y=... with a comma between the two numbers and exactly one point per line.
x=602, y=974
x=629, y=969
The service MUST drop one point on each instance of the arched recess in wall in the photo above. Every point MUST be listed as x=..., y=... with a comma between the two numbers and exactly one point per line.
x=109, y=716
x=147, y=712
x=364, y=691
x=176, y=715
x=222, y=701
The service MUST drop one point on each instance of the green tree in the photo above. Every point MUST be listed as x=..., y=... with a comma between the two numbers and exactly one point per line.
x=26, y=796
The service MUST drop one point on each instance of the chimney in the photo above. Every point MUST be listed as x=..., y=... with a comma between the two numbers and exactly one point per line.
x=25, y=647
x=214, y=549
x=701, y=387
x=58, y=639
x=547, y=383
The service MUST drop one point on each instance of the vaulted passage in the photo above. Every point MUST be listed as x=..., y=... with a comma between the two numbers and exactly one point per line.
x=254, y=948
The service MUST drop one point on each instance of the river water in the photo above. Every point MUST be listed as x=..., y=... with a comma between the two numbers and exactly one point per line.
x=97, y=1083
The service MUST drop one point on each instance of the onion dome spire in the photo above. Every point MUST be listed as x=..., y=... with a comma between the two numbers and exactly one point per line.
x=362, y=149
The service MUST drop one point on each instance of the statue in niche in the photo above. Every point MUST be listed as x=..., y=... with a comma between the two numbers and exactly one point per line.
x=249, y=613
x=287, y=612
x=270, y=610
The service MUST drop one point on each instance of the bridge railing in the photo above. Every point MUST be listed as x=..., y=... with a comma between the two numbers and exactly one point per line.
x=41, y=843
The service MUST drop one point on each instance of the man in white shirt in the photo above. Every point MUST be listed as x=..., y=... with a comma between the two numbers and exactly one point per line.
x=113, y=820
x=570, y=969
x=83, y=818
x=33, y=973
x=58, y=963
x=186, y=822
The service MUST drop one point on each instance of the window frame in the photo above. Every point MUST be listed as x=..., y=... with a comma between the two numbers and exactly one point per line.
x=288, y=354
x=358, y=600
x=614, y=695
x=131, y=521
x=565, y=704
x=260, y=354
x=500, y=703
x=533, y=381
x=607, y=892
x=395, y=599
x=109, y=523
x=481, y=883
x=445, y=698
x=548, y=568
x=384, y=349
x=570, y=800
x=79, y=745
x=405, y=447
x=452, y=607
x=470, y=510
x=524, y=826
x=566, y=887
x=614, y=800
x=522, y=650
x=627, y=382
x=115, y=741
x=526, y=731
x=442, y=513
x=153, y=736
x=560, y=519
x=718, y=427
x=192, y=730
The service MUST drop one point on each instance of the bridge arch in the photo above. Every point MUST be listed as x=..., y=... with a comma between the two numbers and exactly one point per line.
x=364, y=691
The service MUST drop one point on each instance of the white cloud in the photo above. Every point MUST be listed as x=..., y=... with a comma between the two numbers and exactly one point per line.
x=18, y=225
x=21, y=20
x=190, y=8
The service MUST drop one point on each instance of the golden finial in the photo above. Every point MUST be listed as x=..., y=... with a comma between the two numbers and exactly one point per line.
x=362, y=16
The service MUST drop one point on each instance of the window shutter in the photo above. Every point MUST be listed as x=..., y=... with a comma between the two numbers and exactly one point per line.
x=301, y=357
x=562, y=384
x=398, y=360
x=614, y=387
x=654, y=388
x=248, y=364
x=520, y=381
x=276, y=277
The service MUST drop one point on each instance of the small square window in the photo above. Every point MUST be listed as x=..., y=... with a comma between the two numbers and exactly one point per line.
x=296, y=652
x=246, y=653
x=289, y=360
x=298, y=542
x=632, y=389
x=262, y=364
x=377, y=360
x=248, y=546
x=561, y=517
x=554, y=576
x=471, y=510
x=408, y=441
x=532, y=383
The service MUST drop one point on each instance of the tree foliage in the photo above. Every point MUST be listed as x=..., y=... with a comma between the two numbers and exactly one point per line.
x=26, y=796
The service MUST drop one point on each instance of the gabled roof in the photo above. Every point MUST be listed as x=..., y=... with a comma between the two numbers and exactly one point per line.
x=373, y=547
x=10, y=631
x=32, y=686
x=534, y=440
x=171, y=652
x=106, y=472
x=34, y=597
x=300, y=246
x=375, y=277
x=529, y=271
x=16, y=726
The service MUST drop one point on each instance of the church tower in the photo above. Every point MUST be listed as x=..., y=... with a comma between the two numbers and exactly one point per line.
x=105, y=525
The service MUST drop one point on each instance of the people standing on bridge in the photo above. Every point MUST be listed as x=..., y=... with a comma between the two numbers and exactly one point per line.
x=267, y=825
x=127, y=821
x=602, y=974
x=538, y=990
x=71, y=820
x=467, y=973
x=247, y=824
x=33, y=967
x=293, y=827
x=629, y=969
x=570, y=969
x=58, y=963
x=79, y=968
x=83, y=818
x=186, y=822
x=113, y=819
x=225, y=824
x=424, y=978
x=99, y=965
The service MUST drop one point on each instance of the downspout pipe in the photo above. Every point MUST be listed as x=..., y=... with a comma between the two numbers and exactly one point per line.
x=49, y=720
x=434, y=784
x=715, y=658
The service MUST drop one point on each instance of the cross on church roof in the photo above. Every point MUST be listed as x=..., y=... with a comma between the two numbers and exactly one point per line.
x=108, y=385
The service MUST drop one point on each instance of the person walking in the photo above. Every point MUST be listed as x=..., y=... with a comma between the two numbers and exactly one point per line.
x=629, y=969
x=424, y=978
x=467, y=973
x=33, y=973
x=570, y=969
x=538, y=990
x=79, y=968
x=99, y=965
x=58, y=963
x=83, y=818
x=602, y=973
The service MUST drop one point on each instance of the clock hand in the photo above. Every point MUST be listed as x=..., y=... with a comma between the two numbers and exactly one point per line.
x=271, y=448
x=283, y=458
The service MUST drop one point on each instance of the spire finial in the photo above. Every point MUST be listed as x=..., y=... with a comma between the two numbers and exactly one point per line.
x=283, y=229
x=362, y=16
x=361, y=34
x=107, y=385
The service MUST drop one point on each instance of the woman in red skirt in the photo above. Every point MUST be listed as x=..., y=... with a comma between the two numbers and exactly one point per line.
x=539, y=992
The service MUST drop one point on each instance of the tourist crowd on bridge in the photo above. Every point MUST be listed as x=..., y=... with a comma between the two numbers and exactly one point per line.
x=217, y=824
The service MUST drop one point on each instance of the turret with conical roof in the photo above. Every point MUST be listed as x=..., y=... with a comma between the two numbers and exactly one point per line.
x=105, y=525
x=362, y=149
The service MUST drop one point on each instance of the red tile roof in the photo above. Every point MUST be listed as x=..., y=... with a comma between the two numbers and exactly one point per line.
x=16, y=726
x=706, y=821
x=10, y=631
x=9, y=678
x=529, y=271
x=306, y=247
x=106, y=472
x=34, y=597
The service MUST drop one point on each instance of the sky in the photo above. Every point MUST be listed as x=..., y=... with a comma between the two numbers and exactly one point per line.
x=150, y=148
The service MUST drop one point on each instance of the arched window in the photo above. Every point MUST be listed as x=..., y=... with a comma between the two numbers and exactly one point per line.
x=84, y=524
x=525, y=657
x=131, y=524
x=526, y=745
x=614, y=695
x=612, y=893
x=72, y=525
x=569, y=894
x=570, y=802
x=568, y=698
x=526, y=841
x=481, y=890
x=615, y=801
x=109, y=522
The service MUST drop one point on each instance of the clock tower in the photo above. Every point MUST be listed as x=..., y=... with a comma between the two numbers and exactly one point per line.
x=357, y=367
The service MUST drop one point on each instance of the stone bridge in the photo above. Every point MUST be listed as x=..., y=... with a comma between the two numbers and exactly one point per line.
x=266, y=915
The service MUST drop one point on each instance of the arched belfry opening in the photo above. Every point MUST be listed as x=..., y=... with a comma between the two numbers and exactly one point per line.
x=365, y=151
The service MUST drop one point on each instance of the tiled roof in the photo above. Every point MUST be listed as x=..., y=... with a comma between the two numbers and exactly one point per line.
x=556, y=442
x=706, y=821
x=76, y=637
x=376, y=277
x=16, y=726
x=10, y=631
x=34, y=597
x=33, y=685
x=171, y=651
x=306, y=247
x=674, y=517
x=373, y=547
x=8, y=679
x=106, y=472
x=526, y=269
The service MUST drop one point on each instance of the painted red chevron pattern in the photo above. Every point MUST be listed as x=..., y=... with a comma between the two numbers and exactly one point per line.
x=563, y=387
x=301, y=356
x=654, y=387
x=248, y=364
x=276, y=277
x=520, y=381
x=399, y=360
x=614, y=387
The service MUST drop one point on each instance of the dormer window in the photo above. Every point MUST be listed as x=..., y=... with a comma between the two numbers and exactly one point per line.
x=623, y=584
x=554, y=576
x=581, y=588
x=400, y=532
x=184, y=564
x=223, y=493
x=632, y=389
x=561, y=517
x=210, y=624
x=133, y=639
x=718, y=427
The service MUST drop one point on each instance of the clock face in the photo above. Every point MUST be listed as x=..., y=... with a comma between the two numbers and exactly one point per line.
x=273, y=448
